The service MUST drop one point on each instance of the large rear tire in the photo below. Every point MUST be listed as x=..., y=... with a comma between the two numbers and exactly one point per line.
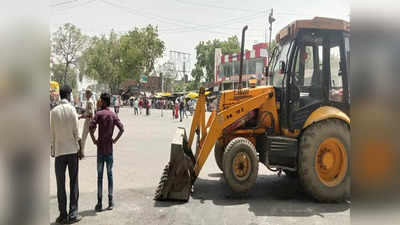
x=240, y=164
x=218, y=154
x=324, y=160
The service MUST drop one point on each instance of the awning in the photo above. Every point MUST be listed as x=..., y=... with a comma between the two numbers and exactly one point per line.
x=163, y=94
x=195, y=94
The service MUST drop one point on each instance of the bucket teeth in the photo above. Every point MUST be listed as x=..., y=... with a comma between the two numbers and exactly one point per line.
x=162, y=184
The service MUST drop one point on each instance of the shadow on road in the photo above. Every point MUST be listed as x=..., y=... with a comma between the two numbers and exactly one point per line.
x=87, y=213
x=271, y=196
x=168, y=203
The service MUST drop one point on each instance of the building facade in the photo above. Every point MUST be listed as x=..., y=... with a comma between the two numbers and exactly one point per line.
x=227, y=67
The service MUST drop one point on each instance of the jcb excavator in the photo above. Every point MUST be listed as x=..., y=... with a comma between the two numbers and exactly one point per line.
x=299, y=124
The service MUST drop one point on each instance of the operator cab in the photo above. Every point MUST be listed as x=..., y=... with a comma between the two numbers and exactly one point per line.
x=309, y=69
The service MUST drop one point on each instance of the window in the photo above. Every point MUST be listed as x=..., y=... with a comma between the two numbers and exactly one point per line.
x=236, y=66
x=336, y=84
x=259, y=65
x=277, y=77
x=221, y=71
x=227, y=70
x=309, y=65
x=252, y=66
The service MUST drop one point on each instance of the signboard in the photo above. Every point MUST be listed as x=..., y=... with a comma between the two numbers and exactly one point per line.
x=143, y=79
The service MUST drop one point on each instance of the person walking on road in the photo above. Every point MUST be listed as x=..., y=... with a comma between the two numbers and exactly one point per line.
x=172, y=107
x=88, y=115
x=117, y=104
x=106, y=120
x=65, y=148
x=136, y=106
x=140, y=105
x=177, y=108
x=181, y=109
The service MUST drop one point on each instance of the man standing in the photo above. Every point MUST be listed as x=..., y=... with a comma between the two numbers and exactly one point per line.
x=136, y=106
x=140, y=105
x=89, y=112
x=106, y=120
x=65, y=148
x=181, y=109
x=117, y=104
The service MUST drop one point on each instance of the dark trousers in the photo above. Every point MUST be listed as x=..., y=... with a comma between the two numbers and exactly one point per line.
x=101, y=160
x=116, y=109
x=181, y=114
x=61, y=164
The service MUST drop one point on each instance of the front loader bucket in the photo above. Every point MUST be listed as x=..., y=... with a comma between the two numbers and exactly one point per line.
x=178, y=176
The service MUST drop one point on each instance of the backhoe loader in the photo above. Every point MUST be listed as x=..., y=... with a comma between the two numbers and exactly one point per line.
x=299, y=123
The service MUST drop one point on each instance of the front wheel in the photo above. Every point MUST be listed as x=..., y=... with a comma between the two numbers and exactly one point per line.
x=324, y=160
x=240, y=164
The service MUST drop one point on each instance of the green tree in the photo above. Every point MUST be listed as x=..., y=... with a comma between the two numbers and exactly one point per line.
x=205, y=55
x=58, y=70
x=68, y=42
x=113, y=59
x=140, y=48
x=102, y=61
x=197, y=74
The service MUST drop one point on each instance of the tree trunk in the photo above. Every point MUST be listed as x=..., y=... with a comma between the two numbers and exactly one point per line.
x=65, y=73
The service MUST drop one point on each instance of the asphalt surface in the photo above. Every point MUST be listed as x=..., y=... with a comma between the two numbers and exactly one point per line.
x=140, y=157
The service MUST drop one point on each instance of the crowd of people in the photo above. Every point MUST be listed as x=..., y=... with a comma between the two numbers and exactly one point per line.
x=179, y=106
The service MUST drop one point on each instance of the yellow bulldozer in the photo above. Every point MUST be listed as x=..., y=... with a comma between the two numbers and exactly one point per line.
x=299, y=123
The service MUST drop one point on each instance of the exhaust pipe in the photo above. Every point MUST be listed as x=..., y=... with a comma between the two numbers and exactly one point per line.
x=241, y=57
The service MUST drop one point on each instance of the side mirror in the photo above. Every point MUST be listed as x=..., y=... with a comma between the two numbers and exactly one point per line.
x=282, y=67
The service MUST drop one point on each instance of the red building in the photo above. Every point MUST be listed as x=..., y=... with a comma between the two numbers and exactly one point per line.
x=227, y=67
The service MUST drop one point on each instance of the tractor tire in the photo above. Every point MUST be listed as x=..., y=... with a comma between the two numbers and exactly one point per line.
x=291, y=174
x=324, y=160
x=218, y=154
x=240, y=164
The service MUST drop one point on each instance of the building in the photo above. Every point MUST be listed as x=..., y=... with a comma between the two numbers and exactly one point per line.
x=152, y=86
x=227, y=67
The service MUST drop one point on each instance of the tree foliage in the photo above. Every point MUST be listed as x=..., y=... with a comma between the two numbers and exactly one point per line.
x=58, y=70
x=102, y=60
x=112, y=59
x=68, y=42
x=205, y=55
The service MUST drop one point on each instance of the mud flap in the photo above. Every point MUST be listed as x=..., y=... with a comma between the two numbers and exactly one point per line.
x=178, y=175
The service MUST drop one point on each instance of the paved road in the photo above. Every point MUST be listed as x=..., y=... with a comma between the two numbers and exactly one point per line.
x=139, y=159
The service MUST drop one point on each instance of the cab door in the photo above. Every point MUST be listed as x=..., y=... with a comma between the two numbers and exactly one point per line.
x=306, y=82
x=317, y=75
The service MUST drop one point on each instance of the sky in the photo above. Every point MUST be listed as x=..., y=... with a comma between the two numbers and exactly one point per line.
x=183, y=24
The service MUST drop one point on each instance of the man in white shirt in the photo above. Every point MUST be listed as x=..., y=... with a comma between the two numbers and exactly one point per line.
x=89, y=113
x=136, y=106
x=65, y=147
